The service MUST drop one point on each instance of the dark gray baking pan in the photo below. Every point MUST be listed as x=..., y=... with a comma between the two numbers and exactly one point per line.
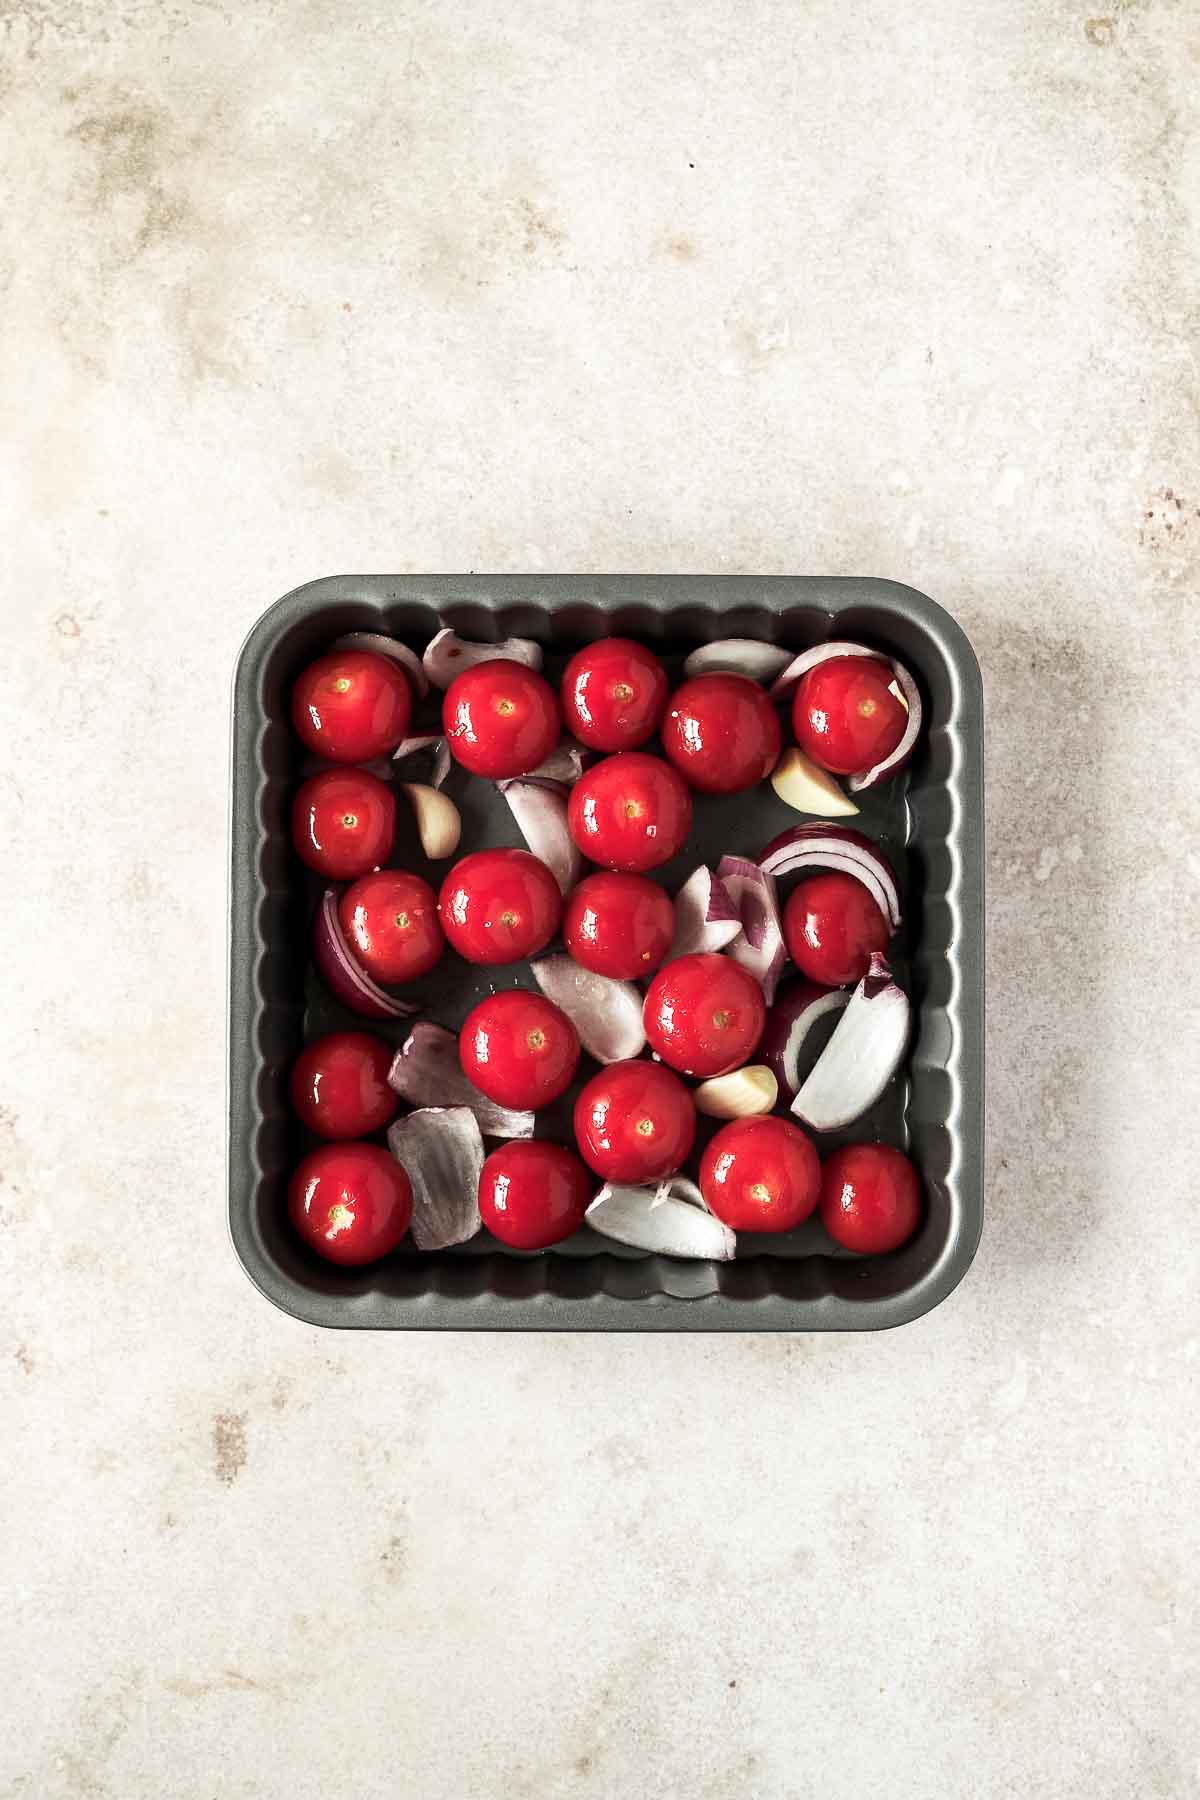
x=930, y=822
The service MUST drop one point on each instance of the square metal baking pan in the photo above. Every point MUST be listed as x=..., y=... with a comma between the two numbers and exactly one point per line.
x=930, y=822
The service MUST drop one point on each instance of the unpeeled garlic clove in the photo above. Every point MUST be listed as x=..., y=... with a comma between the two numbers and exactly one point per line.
x=802, y=784
x=747, y=1093
x=439, y=825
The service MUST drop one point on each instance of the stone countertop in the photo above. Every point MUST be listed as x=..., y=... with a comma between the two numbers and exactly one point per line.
x=730, y=285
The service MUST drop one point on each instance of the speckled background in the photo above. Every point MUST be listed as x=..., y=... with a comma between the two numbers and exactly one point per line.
x=520, y=284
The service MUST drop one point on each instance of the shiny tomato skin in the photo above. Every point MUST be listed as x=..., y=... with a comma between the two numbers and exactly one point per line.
x=631, y=812
x=534, y=1194
x=634, y=1121
x=870, y=1198
x=704, y=1014
x=351, y=1203
x=845, y=716
x=498, y=906
x=501, y=719
x=343, y=822
x=339, y=1085
x=831, y=926
x=613, y=694
x=351, y=705
x=761, y=1175
x=390, y=921
x=722, y=733
x=519, y=1049
x=618, y=925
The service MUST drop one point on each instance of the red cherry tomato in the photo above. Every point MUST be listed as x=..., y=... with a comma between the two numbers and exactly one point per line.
x=519, y=1049
x=630, y=812
x=533, y=1194
x=339, y=1085
x=845, y=715
x=613, y=694
x=343, y=822
x=704, y=1014
x=634, y=1121
x=500, y=719
x=497, y=906
x=351, y=705
x=618, y=925
x=722, y=733
x=760, y=1175
x=390, y=921
x=351, y=1203
x=870, y=1198
x=831, y=926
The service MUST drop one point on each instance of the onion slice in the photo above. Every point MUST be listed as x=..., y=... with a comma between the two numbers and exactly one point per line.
x=747, y=1093
x=679, y=1187
x=891, y=765
x=760, y=948
x=441, y=1151
x=786, y=680
x=824, y=845
x=798, y=1006
x=342, y=972
x=861, y=1057
x=648, y=1220
x=740, y=656
x=447, y=655
x=540, y=809
x=426, y=1072
x=380, y=645
x=427, y=740
x=564, y=765
x=705, y=915
x=605, y=1012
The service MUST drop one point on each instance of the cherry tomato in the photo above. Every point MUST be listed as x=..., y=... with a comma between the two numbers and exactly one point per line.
x=831, y=926
x=870, y=1198
x=704, y=1014
x=351, y=705
x=845, y=715
x=630, y=812
x=533, y=1194
x=618, y=925
x=634, y=1121
x=500, y=719
x=722, y=733
x=760, y=1175
x=390, y=920
x=613, y=694
x=340, y=1087
x=343, y=822
x=519, y=1049
x=351, y=1203
x=497, y=906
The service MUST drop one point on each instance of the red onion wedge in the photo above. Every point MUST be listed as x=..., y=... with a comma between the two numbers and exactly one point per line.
x=760, y=948
x=427, y=740
x=786, y=680
x=861, y=1057
x=902, y=682
x=824, y=845
x=798, y=1006
x=342, y=972
x=740, y=656
x=380, y=645
x=891, y=765
x=564, y=765
x=648, y=1220
x=679, y=1187
x=705, y=915
x=540, y=809
x=426, y=1072
x=605, y=1012
x=441, y=1152
x=447, y=655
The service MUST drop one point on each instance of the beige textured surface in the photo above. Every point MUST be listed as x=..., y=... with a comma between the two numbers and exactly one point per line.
x=677, y=284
